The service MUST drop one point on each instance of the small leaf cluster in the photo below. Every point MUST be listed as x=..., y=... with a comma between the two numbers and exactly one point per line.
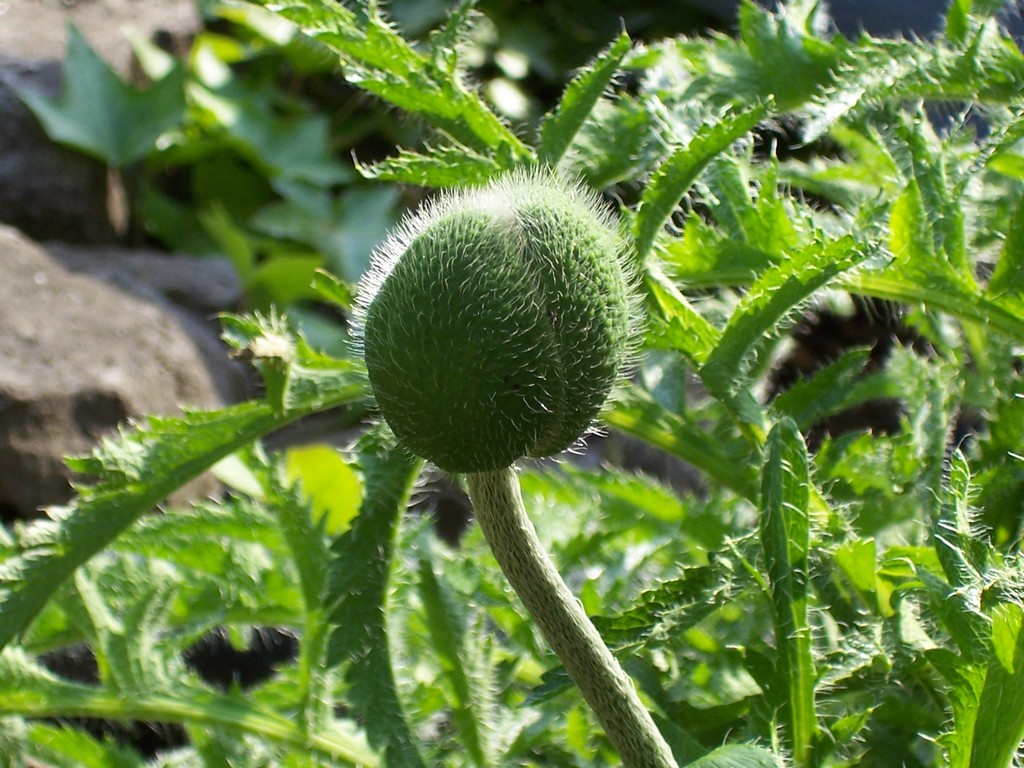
x=792, y=581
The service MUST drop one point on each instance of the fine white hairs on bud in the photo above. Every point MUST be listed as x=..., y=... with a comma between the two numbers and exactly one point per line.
x=495, y=321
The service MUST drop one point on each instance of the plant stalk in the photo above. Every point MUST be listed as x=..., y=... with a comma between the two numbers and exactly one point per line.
x=498, y=506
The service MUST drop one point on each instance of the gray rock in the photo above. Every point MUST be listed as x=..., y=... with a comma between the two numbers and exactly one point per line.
x=78, y=356
x=195, y=289
x=203, y=285
x=38, y=29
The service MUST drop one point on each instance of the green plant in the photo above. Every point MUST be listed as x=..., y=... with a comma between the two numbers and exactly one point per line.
x=826, y=596
x=496, y=324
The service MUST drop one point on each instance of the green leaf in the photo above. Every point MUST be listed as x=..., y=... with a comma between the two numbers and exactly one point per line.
x=333, y=290
x=938, y=290
x=660, y=615
x=738, y=756
x=828, y=391
x=230, y=239
x=963, y=556
x=560, y=126
x=618, y=142
x=999, y=724
x=636, y=413
x=307, y=549
x=677, y=173
x=706, y=257
x=461, y=655
x=125, y=624
x=100, y=114
x=674, y=322
x=230, y=564
x=344, y=229
x=68, y=747
x=1008, y=278
x=360, y=574
x=293, y=147
x=139, y=469
x=29, y=690
x=330, y=485
x=857, y=561
x=785, y=538
x=377, y=59
x=958, y=20
x=776, y=294
x=791, y=64
x=446, y=166
x=446, y=42
x=966, y=681
x=910, y=235
x=282, y=281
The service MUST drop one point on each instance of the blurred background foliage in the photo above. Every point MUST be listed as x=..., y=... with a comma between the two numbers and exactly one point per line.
x=244, y=140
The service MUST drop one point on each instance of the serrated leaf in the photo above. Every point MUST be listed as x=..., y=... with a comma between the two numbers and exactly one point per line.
x=791, y=64
x=619, y=141
x=662, y=614
x=100, y=114
x=829, y=390
x=964, y=558
x=957, y=20
x=303, y=532
x=910, y=237
x=232, y=562
x=981, y=66
x=966, y=681
x=459, y=655
x=139, y=469
x=377, y=59
x=446, y=41
x=675, y=323
x=784, y=525
x=775, y=295
x=446, y=166
x=190, y=538
x=27, y=689
x=360, y=573
x=125, y=626
x=1008, y=278
x=561, y=125
x=707, y=257
x=69, y=747
x=677, y=173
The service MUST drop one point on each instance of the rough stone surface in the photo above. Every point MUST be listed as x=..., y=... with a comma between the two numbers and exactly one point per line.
x=38, y=29
x=196, y=290
x=203, y=285
x=77, y=357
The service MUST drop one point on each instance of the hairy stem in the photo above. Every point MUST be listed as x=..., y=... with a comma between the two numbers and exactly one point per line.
x=498, y=505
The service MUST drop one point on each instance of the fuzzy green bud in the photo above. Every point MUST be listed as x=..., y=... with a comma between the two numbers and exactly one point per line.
x=495, y=322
